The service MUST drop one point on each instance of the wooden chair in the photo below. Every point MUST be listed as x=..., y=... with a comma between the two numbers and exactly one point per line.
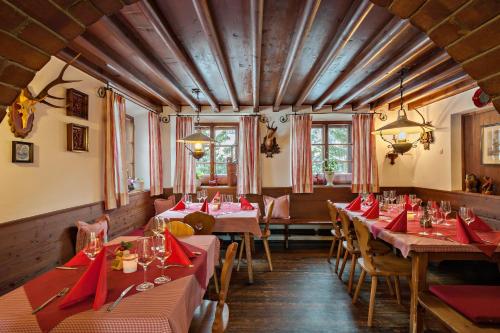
x=202, y=223
x=265, y=238
x=337, y=234
x=180, y=229
x=388, y=265
x=212, y=316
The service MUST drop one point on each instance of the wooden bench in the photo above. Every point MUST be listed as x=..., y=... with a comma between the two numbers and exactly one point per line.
x=286, y=223
x=453, y=320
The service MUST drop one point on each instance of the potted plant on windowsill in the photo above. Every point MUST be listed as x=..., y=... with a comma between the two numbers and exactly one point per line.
x=329, y=169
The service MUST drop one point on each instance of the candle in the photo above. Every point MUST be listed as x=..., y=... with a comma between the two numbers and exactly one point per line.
x=129, y=263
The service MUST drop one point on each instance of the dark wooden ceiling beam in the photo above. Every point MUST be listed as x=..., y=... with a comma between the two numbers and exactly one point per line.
x=302, y=29
x=168, y=39
x=446, y=92
x=86, y=47
x=381, y=42
x=207, y=24
x=152, y=66
x=350, y=24
x=256, y=21
x=415, y=48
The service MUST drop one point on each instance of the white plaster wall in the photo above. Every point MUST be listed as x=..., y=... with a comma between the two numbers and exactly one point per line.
x=142, y=148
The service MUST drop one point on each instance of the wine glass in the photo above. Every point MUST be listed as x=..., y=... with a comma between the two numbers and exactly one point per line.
x=392, y=196
x=446, y=209
x=414, y=202
x=230, y=198
x=93, y=247
x=199, y=196
x=436, y=219
x=467, y=214
x=188, y=199
x=160, y=226
x=145, y=256
x=163, y=251
x=385, y=194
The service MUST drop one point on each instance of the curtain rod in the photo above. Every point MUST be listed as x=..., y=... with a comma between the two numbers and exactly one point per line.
x=101, y=92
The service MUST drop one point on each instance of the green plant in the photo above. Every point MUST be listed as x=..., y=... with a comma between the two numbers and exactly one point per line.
x=330, y=165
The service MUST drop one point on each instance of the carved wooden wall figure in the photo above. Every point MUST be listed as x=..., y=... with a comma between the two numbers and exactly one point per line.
x=269, y=146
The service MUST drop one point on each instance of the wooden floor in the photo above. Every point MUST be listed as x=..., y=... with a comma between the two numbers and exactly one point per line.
x=303, y=294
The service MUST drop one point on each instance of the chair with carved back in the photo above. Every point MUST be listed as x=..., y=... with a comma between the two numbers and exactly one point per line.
x=202, y=223
x=388, y=265
x=266, y=233
x=337, y=234
x=180, y=229
x=212, y=316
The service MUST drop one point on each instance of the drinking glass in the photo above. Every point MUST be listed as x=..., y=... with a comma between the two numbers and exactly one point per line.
x=163, y=251
x=188, y=199
x=93, y=247
x=392, y=196
x=385, y=194
x=159, y=225
x=436, y=219
x=145, y=256
x=446, y=209
x=467, y=214
x=414, y=202
x=199, y=196
x=231, y=198
x=204, y=194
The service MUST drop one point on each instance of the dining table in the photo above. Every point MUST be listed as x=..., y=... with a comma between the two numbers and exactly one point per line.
x=229, y=218
x=437, y=246
x=165, y=308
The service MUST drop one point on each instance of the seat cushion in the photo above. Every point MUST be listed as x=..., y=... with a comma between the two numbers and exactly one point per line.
x=84, y=230
x=162, y=205
x=281, y=206
x=481, y=304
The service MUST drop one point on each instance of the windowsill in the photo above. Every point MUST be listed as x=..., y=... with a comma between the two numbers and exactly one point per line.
x=134, y=192
x=332, y=186
x=218, y=186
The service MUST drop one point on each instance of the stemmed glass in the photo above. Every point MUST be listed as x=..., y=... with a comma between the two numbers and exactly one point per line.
x=93, y=247
x=199, y=196
x=392, y=196
x=467, y=214
x=446, y=209
x=414, y=201
x=145, y=256
x=188, y=199
x=159, y=226
x=204, y=195
x=385, y=194
x=163, y=251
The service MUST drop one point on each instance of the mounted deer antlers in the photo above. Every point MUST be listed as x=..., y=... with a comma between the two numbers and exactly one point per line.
x=22, y=111
x=269, y=145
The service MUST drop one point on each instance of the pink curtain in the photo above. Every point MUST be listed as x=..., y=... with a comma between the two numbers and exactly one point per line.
x=249, y=180
x=184, y=181
x=115, y=174
x=302, y=178
x=364, y=165
x=155, y=161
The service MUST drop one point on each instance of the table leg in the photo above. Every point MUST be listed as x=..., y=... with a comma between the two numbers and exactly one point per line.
x=248, y=251
x=419, y=263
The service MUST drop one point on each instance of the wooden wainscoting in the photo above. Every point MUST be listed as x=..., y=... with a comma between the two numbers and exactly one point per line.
x=33, y=245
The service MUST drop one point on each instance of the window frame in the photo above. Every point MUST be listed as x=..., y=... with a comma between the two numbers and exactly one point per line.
x=131, y=158
x=325, y=125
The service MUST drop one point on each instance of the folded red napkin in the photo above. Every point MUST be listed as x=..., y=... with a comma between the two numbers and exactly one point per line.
x=399, y=223
x=479, y=225
x=372, y=212
x=408, y=202
x=245, y=204
x=80, y=259
x=371, y=198
x=216, y=197
x=465, y=234
x=204, y=207
x=93, y=282
x=179, y=206
x=180, y=254
x=355, y=204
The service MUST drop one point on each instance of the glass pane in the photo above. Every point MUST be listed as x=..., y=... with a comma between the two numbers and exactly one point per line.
x=220, y=169
x=317, y=167
x=222, y=154
x=225, y=136
x=343, y=167
x=317, y=135
x=339, y=153
x=338, y=134
x=206, y=157
x=204, y=130
x=203, y=168
x=317, y=153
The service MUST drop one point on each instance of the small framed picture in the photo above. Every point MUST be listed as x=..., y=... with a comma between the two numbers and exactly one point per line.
x=78, y=104
x=78, y=138
x=22, y=152
x=490, y=144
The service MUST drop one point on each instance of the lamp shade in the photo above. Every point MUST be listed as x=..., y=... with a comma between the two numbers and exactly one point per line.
x=197, y=137
x=403, y=124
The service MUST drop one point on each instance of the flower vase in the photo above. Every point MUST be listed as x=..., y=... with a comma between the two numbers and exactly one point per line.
x=329, y=178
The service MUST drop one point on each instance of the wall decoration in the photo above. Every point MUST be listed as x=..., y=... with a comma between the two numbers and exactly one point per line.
x=269, y=145
x=426, y=139
x=487, y=186
x=77, y=104
x=22, y=111
x=471, y=183
x=22, y=152
x=78, y=138
x=490, y=144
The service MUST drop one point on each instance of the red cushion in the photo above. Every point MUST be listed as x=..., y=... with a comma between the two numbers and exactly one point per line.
x=481, y=304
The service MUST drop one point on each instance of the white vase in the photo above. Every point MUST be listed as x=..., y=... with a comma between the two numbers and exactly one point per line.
x=329, y=178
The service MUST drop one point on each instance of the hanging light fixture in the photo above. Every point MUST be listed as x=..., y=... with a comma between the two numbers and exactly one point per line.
x=197, y=139
x=403, y=134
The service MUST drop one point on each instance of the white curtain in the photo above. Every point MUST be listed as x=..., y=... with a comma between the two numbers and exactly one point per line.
x=249, y=177
x=302, y=179
x=115, y=173
x=364, y=161
x=155, y=161
x=184, y=181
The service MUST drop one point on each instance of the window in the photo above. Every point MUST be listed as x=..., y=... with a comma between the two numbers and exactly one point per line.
x=213, y=165
x=130, y=145
x=331, y=141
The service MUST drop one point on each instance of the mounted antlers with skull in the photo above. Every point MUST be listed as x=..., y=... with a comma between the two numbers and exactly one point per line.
x=269, y=145
x=22, y=111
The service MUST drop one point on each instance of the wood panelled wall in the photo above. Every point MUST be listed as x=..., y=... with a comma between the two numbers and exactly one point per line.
x=471, y=135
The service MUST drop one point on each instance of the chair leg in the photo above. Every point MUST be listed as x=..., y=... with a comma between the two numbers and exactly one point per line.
x=242, y=246
x=268, y=253
x=372, y=300
x=330, y=253
x=358, y=286
x=389, y=285
x=398, y=290
x=216, y=282
x=339, y=255
x=354, y=260
x=343, y=264
x=252, y=244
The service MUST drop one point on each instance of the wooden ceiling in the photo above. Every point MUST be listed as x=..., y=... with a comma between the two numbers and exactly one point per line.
x=338, y=53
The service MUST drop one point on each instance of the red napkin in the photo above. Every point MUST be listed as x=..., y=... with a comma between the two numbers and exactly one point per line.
x=245, y=204
x=372, y=212
x=399, y=224
x=93, y=282
x=355, y=204
x=180, y=254
x=216, y=196
x=204, y=207
x=80, y=259
x=371, y=198
x=479, y=225
x=179, y=206
x=465, y=234
x=408, y=202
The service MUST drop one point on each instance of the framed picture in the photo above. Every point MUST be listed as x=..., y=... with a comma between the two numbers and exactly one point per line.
x=78, y=138
x=22, y=152
x=77, y=104
x=490, y=144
